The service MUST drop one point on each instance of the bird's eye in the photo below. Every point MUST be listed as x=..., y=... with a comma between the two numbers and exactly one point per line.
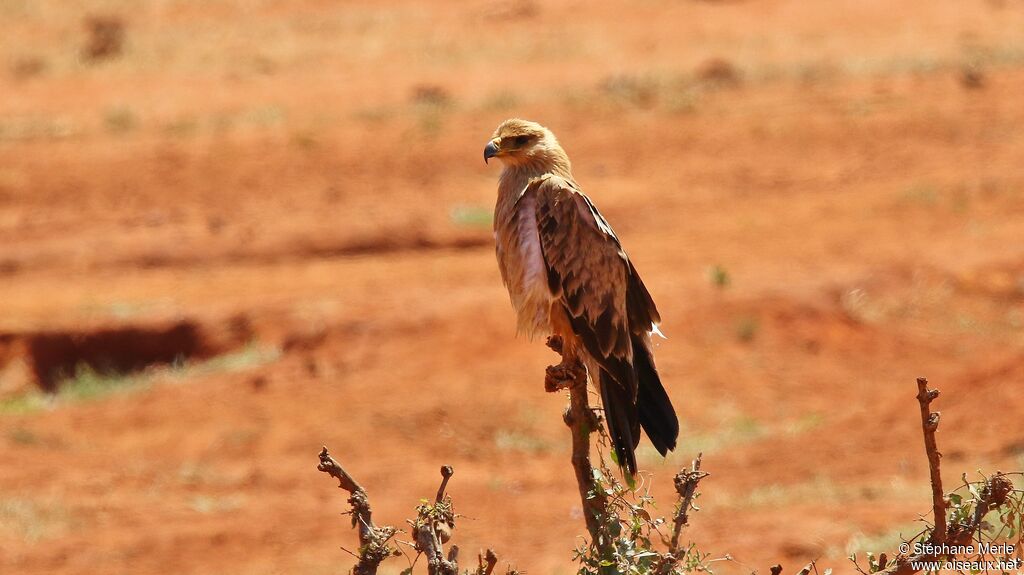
x=521, y=141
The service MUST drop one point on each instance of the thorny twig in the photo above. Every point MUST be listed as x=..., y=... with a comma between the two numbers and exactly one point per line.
x=686, y=486
x=686, y=482
x=959, y=536
x=806, y=570
x=486, y=563
x=373, y=540
x=944, y=536
x=433, y=527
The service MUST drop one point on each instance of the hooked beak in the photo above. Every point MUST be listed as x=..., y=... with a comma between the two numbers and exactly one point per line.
x=491, y=150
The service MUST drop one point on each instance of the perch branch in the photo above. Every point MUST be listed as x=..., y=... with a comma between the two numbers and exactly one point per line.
x=572, y=375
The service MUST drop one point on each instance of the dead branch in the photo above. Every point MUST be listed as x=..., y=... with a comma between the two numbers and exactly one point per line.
x=433, y=527
x=373, y=540
x=572, y=375
x=929, y=425
x=944, y=537
x=686, y=486
x=486, y=563
x=446, y=474
x=806, y=570
x=959, y=534
x=361, y=514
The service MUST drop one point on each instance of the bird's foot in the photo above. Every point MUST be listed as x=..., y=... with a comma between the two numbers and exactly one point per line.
x=558, y=377
x=570, y=372
x=555, y=343
x=564, y=376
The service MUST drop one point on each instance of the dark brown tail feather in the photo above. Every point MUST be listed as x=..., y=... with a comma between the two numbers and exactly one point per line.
x=623, y=425
x=657, y=416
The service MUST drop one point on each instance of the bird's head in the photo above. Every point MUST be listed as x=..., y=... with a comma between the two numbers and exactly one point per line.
x=518, y=142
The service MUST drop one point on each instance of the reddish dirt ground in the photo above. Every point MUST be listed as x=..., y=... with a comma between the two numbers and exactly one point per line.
x=309, y=178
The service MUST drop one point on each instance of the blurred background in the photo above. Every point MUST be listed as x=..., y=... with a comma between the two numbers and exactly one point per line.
x=232, y=231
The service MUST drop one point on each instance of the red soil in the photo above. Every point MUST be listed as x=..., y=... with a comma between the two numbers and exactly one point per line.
x=314, y=174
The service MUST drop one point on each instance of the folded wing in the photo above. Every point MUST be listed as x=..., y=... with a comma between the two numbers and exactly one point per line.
x=610, y=310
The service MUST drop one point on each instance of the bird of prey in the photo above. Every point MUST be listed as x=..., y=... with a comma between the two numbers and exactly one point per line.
x=567, y=275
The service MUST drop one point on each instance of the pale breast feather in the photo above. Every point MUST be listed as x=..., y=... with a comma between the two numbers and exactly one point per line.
x=524, y=269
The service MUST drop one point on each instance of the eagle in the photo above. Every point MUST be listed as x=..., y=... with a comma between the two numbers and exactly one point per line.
x=568, y=276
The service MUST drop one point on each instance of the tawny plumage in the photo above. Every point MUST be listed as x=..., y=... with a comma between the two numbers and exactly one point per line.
x=567, y=275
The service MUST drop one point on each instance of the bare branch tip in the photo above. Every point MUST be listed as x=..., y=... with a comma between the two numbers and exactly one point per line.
x=446, y=473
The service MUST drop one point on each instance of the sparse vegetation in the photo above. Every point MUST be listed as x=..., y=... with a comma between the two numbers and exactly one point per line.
x=471, y=216
x=120, y=119
x=105, y=38
x=503, y=101
x=22, y=436
x=747, y=328
x=34, y=128
x=31, y=520
x=626, y=538
x=431, y=103
x=88, y=383
x=208, y=505
x=515, y=440
x=719, y=277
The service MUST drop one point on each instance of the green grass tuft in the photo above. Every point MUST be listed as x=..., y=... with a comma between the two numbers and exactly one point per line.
x=471, y=216
x=515, y=440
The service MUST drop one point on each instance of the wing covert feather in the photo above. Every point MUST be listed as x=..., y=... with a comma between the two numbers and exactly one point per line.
x=590, y=271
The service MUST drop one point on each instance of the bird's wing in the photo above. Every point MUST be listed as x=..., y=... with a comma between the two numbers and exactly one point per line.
x=610, y=310
x=590, y=273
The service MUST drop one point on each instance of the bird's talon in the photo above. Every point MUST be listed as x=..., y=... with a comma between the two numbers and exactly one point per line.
x=557, y=378
x=555, y=343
